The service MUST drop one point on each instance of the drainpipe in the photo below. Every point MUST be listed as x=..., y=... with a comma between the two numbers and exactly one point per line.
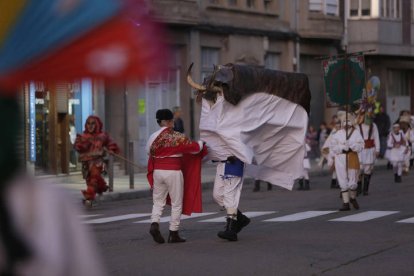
x=296, y=59
x=345, y=33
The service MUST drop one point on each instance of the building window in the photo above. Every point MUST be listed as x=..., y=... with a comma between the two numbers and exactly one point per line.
x=232, y=3
x=250, y=3
x=214, y=2
x=209, y=58
x=268, y=4
x=272, y=61
x=398, y=83
x=328, y=7
x=358, y=8
x=390, y=8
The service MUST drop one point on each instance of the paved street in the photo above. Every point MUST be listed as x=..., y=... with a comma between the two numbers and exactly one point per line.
x=291, y=233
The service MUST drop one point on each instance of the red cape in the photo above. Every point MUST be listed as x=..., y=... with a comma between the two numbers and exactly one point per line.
x=191, y=168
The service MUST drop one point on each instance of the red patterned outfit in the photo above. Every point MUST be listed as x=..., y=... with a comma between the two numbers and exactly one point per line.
x=91, y=146
x=174, y=168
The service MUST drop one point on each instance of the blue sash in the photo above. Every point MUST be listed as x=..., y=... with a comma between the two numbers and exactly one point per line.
x=234, y=168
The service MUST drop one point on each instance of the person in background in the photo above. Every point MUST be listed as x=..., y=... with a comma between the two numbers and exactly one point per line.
x=178, y=121
x=93, y=145
x=405, y=125
x=327, y=154
x=383, y=122
x=323, y=134
x=304, y=183
x=397, y=146
x=312, y=141
x=369, y=153
x=257, y=185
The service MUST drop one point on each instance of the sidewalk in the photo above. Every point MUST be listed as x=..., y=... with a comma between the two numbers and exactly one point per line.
x=75, y=183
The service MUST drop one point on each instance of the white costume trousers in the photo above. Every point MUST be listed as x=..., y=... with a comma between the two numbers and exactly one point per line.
x=168, y=182
x=226, y=192
x=367, y=168
x=347, y=179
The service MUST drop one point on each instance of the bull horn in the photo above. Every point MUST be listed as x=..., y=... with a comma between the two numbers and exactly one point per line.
x=192, y=83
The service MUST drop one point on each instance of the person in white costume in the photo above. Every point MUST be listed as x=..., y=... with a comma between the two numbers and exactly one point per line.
x=398, y=148
x=329, y=156
x=346, y=144
x=304, y=182
x=369, y=153
x=253, y=121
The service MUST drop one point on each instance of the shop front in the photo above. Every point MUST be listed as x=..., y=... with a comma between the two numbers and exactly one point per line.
x=54, y=114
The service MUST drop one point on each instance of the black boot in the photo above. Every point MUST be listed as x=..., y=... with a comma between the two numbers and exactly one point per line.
x=345, y=207
x=359, y=188
x=269, y=186
x=398, y=179
x=337, y=184
x=395, y=178
x=333, y=183
x=229, y=233
x=155, y=233
x=256, y=186
x=174, y=237
x=306, y=185
x=345, y=198
x=300, y=184
x=242, y=221
x=354, y=203
x=367, y=178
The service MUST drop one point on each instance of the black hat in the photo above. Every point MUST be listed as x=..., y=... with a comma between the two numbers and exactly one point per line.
x=164, y=114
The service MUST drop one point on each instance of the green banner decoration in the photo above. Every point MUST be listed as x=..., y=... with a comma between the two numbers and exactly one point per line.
x=344, y=79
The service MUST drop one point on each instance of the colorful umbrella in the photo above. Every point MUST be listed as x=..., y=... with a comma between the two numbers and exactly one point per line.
x=52, y=40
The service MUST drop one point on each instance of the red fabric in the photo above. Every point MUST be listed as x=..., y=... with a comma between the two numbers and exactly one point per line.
x=119, y=49
x=191, y=168
x=94, y=182
x=192, y=200
x=167, y=163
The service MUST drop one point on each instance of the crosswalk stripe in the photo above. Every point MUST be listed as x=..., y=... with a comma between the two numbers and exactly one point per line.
x=365, y=216
x=89, y=216
x=300, y=216
x=249, y=214
x=116, y=218
x=409, y=220
x=167, y=219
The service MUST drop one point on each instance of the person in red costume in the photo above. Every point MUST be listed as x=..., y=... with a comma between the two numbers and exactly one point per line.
x=174, y=170
x=92, y=146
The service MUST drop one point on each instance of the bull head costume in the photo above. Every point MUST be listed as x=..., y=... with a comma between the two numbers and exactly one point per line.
x=235, y=82
x=259, y=115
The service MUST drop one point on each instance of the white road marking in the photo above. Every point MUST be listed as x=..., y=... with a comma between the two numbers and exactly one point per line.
x=365, y=216
x=409, y=220
x=116, y=218
x=89, y=216
x=249, y=214
x=301, y=216
x=167, y=219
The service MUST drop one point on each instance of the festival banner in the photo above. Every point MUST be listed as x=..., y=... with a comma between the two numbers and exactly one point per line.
x=344, y=79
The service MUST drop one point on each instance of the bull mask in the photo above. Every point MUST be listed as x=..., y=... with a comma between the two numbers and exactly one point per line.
x=212, y=85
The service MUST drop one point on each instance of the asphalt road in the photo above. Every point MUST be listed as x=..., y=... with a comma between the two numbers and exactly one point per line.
x=291, y=233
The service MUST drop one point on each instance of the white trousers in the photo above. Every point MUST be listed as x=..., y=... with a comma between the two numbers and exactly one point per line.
x=347, y=180
x=398, y=167
x=367, y=168
x=168, y=182
x=226, y=192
